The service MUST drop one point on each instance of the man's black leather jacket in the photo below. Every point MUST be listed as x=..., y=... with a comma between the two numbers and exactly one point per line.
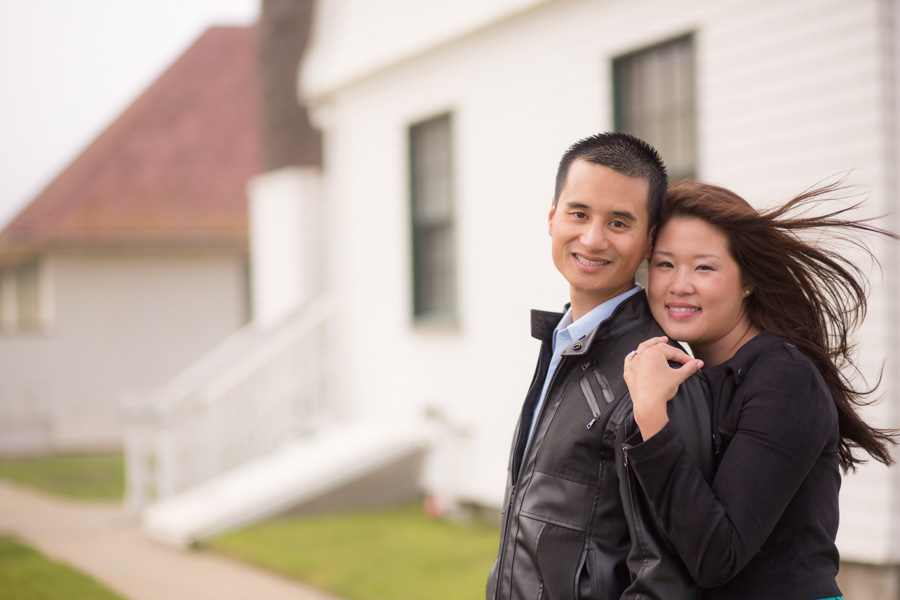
x=576, y=524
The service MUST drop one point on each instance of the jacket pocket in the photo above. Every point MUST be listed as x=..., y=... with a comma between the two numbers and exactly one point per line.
x=598, y=399
x=591, y=401
x=558, y=553
x=605, y=386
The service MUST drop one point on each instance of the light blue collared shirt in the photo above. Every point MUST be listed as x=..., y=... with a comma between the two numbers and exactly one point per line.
x=568, y=332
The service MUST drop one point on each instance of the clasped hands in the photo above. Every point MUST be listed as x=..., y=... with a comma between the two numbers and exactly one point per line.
x=652, y=382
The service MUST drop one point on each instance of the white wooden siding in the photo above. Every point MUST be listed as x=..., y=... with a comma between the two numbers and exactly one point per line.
x=790, y=93
x=119, y=322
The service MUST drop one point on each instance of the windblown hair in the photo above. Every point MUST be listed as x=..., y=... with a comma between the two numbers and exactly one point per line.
x=624, y=154
x=808, y=292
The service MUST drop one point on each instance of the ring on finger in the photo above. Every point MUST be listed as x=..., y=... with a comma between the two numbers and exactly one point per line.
x=633, y=353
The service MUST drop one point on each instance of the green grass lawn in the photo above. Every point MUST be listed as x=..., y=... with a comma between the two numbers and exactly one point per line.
x=26, y=574
x=88, y=477
x=391, y=554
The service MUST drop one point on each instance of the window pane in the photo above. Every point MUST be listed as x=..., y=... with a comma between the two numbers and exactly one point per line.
x=433, y=231
x=434, y=287
x=27, y=298
x=655, y=100
x=431, y=171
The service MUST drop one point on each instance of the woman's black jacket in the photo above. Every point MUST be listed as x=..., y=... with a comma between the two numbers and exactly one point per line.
x=576, y=523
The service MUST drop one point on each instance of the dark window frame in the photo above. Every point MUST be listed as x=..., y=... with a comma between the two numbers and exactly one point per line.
x=433, y=221
x=655, y=98
x=22, y=297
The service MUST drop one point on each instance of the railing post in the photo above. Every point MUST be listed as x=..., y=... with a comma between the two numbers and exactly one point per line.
x=135, y=469
x=138, y=431
x=166, y=459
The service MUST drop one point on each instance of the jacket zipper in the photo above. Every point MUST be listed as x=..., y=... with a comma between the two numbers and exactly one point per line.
x=591, y=400
x=638, y=524
x=512, y=493
x=502, y=557
x=537, y=417
x=604, y=386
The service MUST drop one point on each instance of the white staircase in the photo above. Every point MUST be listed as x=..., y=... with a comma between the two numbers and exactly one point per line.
x=303, y=470
x=257, y=391
x=250, y=431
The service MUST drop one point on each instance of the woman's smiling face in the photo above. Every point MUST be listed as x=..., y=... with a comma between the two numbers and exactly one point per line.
x=696, y=290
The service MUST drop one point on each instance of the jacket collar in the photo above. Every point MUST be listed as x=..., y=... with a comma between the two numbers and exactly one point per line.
x=738, y=365
x=544, y=322
x=631, y=313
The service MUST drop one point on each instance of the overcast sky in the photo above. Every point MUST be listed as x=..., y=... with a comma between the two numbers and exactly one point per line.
x=69, y=67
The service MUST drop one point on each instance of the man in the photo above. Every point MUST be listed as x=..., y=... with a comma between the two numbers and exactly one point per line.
x=575, y=522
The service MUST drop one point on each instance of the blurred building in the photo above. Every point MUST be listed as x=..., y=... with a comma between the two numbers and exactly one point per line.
x=132, y=263
x=398, y=310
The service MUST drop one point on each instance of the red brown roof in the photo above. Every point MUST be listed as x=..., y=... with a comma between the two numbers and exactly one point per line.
x=172, y=169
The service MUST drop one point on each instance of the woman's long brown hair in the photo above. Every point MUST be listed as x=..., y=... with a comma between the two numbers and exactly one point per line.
x=808, y=293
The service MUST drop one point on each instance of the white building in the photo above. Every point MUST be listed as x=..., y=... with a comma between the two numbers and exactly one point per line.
x=132, y=263
x=442, y=126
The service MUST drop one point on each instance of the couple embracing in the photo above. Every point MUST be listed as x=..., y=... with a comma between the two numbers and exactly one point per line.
x=639, y=471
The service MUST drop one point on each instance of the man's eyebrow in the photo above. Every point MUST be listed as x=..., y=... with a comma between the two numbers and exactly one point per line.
x=573, y=204
x=624, y=214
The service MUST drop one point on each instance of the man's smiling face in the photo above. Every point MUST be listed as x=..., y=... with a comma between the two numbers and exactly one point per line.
x=599, y=227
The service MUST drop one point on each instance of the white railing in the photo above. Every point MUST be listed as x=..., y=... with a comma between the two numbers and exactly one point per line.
x=248, y=397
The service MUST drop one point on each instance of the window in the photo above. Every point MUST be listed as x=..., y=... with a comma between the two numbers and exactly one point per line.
x=28, y=310
x=655, y=100
x=20, y=307
x=432, y=222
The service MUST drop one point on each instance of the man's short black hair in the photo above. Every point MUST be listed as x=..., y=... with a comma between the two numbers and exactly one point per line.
x=624, y=154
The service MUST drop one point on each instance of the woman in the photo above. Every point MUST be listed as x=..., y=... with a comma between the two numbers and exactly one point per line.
x=767, y=316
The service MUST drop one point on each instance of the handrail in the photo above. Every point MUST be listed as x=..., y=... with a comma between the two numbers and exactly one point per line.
x=258, y=390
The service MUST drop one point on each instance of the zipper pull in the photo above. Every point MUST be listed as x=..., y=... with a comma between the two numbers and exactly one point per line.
x=625, y=453
x=594, y=420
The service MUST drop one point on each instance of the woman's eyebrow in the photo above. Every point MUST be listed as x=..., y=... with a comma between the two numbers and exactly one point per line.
x=700, y=256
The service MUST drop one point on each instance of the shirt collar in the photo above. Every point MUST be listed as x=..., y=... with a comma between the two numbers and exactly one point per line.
x=587, y=323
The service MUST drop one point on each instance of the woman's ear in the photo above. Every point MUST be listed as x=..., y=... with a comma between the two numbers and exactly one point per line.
x=652, y=237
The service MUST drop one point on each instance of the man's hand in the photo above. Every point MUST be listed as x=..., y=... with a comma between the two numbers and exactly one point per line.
x=652, y=382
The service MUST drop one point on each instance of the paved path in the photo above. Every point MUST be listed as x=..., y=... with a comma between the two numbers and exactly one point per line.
x=103, y=540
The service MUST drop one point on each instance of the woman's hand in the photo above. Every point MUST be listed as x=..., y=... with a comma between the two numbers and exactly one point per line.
x=652, y=382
